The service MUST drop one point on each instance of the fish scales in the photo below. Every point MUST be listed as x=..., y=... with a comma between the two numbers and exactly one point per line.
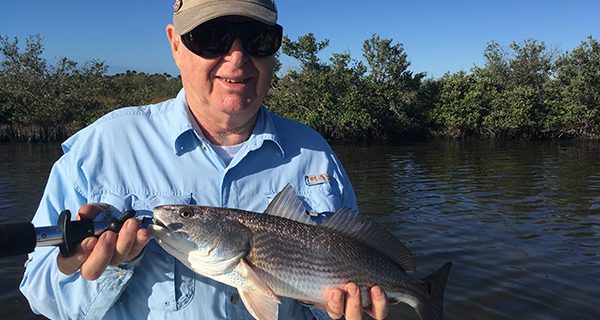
x=294, y=255
x=283, y=253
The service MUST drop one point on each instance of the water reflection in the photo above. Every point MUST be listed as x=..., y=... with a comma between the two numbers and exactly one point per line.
x=519, y=219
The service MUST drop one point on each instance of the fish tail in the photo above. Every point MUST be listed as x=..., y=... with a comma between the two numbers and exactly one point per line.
x=432, y=304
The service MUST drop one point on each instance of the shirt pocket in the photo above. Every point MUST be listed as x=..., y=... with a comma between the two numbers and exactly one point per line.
x=160, y=281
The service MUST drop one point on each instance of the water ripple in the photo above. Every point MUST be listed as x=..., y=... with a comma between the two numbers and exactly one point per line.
x=519, y=220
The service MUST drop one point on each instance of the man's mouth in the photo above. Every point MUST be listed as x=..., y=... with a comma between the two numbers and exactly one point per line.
x=234, y=81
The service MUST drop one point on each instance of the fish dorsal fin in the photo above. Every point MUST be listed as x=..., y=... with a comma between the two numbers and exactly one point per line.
x=370, y=233
x=286, y=204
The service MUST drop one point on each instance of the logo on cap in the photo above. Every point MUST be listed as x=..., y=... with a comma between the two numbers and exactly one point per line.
x=177, y=5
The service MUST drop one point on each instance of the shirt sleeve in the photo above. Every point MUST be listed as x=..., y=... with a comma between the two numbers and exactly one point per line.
x=51, y=293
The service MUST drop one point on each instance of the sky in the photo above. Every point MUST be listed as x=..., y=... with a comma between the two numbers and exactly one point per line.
x=438, y=36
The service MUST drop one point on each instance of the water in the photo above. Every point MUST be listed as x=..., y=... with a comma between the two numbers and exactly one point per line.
x=24, y=171
x=520, y=220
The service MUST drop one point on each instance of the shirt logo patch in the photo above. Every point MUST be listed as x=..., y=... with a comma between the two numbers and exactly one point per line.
x=316, y=179
x=177, y=5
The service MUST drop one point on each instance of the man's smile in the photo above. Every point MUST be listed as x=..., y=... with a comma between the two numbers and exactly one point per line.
x=236, y=82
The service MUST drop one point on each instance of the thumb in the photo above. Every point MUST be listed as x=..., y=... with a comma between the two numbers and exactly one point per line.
x=70, y=265
x=88, y=211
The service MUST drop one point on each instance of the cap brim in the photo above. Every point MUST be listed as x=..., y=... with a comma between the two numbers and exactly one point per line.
x=187, y=20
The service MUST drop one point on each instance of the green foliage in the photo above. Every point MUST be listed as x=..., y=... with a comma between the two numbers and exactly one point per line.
x=52, y=101
x=305, y=50
x=574, y=96
x=346, y=100
x=458, y=105
x=388, y=63
x=34, y=93
x=328, y=101
x=523, y=90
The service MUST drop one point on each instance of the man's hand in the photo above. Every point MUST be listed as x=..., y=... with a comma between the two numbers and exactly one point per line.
x=347, y=303
x=93, y=255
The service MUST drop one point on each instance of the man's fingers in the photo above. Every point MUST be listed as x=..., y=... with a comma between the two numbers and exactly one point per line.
x=70, y=265
x=335, y=304
x=99, y=259
x=88, y=212
x=379, y=306
x=73, y=263
x=93, y=255
x=125, y=241
x=353, y=310
x=142, y=239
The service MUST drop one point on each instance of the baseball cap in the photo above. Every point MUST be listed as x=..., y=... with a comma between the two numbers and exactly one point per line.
x=189, y=14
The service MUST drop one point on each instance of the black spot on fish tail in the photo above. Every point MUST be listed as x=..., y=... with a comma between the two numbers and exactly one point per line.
x=429, y=288
x=432, y=308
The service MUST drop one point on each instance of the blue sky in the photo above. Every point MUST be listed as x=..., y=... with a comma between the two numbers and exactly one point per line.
x=438, y=36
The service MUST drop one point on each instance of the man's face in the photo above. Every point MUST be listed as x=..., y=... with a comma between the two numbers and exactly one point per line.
x=232, y=85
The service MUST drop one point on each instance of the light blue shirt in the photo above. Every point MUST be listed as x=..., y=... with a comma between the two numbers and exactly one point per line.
x=141, y=157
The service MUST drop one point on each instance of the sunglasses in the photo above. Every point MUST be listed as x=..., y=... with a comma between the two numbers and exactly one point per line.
x=214, y=38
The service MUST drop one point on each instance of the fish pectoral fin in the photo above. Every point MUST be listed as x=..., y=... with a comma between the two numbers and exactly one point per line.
x=260, y=300
x=256, y=284
x=260, y=306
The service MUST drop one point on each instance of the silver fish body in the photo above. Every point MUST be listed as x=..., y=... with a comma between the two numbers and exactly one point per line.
x=283, y=253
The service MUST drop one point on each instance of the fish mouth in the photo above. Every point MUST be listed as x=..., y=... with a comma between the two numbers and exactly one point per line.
x=162, y=230
x=160, y=223
x=158, y=227
x=168, y=226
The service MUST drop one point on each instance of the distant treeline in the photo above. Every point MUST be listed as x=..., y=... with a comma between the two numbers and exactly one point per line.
x=526, y=90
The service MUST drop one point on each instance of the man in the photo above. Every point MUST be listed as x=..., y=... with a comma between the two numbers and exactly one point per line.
x=214, y=144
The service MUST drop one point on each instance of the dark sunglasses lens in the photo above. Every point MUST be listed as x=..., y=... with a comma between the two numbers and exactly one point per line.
x=210, y=39
x=262, y=40
x=214, y=38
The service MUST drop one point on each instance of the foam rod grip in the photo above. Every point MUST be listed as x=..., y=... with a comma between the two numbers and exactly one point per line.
x=16, y=239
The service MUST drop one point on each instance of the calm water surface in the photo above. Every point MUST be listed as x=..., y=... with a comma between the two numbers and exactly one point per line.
x=520, y=220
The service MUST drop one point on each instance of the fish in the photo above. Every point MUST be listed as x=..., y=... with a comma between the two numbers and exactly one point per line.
x=283, y=252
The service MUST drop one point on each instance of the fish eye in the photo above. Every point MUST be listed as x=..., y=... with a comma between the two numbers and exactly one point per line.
x=186, y=213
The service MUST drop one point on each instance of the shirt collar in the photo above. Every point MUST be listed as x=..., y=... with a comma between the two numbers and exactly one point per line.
x=265, y=130
x=182, y=123
x=187, y=134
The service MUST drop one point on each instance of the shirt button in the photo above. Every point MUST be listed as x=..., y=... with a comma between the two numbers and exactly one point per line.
x=123, y=297
x=234, y=298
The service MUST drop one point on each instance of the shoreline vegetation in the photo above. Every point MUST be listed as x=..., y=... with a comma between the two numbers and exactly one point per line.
x=526, y=90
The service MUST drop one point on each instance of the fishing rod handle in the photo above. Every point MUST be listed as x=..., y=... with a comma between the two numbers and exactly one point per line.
x=22, y=238
x=17, y=238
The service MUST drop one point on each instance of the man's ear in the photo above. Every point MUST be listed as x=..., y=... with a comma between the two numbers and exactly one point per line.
x=174, y=40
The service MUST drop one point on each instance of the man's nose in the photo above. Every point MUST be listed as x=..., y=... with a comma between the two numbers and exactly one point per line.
x=237, y=53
